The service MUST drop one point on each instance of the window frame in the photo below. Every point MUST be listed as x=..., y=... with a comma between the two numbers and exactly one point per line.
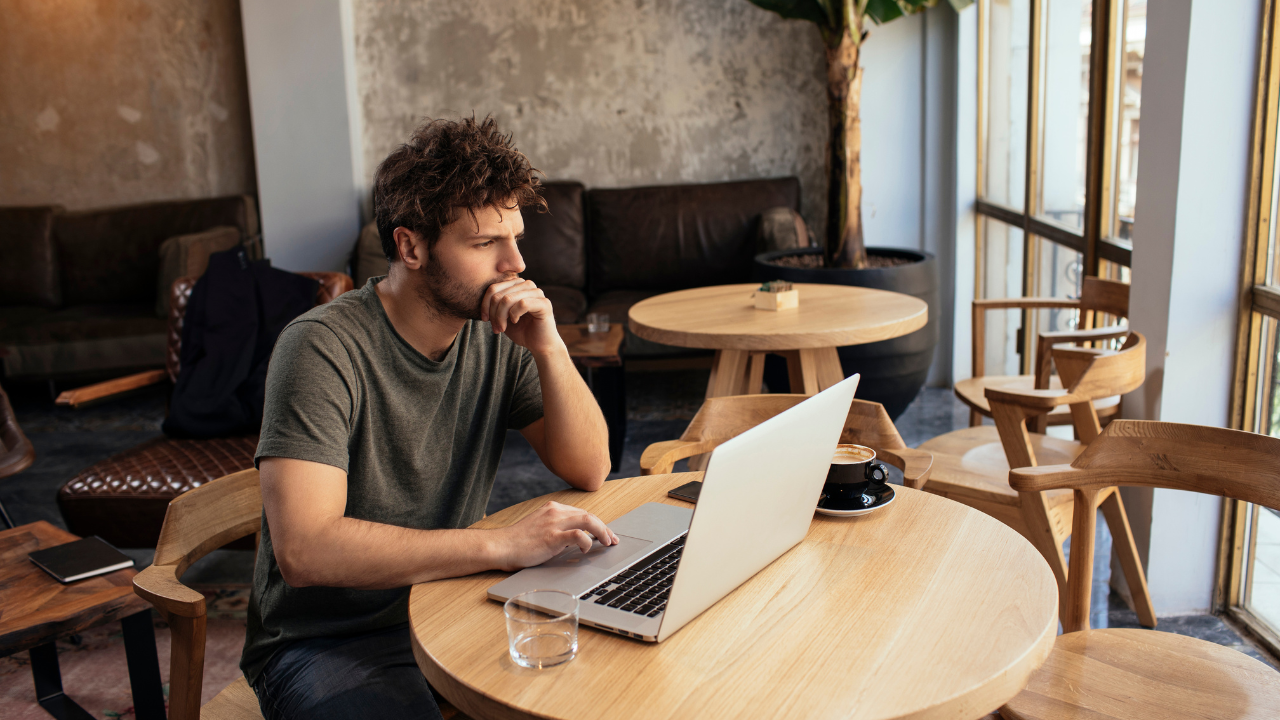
x=1258, y=302
x=1105, y=86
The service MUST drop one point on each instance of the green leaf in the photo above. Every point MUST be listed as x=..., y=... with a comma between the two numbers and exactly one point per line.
x=882, y=11
x=811, y=10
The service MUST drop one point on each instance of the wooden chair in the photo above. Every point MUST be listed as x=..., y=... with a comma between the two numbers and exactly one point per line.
x=722, y=418
x=16, y=451
x=1140, y=673
x=1097, y=298
x=971, y=465
x=198, y=522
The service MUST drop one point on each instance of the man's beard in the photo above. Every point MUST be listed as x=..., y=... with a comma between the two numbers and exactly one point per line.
x=448, y=296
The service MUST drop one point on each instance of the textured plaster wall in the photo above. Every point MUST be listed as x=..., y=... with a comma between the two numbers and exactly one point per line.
x=110, y=102
x=613, y=93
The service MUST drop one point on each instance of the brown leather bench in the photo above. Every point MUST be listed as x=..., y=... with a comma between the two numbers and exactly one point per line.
x=123, y=498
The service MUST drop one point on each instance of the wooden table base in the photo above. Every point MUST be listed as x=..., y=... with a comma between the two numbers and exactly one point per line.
x=741, y=372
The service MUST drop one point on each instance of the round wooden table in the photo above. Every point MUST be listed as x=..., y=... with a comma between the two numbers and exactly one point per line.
x=724, y=318
x=924, y=609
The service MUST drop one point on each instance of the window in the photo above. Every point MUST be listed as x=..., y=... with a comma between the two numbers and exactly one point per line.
x=1250, y=578
x=1059, y=102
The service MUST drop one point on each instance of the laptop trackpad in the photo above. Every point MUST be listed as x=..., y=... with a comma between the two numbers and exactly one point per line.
x=600, y=557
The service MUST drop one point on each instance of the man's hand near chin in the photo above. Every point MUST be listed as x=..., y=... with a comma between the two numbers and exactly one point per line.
x=571, y=438
x=518, y=308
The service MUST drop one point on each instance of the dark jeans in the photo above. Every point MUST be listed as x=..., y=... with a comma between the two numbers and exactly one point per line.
x=361, y=676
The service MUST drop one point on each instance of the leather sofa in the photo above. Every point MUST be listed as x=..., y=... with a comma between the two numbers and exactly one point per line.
x=604, y=250
x=78, y=289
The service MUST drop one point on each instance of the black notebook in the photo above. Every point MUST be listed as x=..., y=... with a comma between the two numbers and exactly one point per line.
x=81, y=559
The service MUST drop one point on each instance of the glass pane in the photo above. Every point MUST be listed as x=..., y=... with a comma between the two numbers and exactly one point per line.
x=1001, y=278
x=1065, y=124
x=1005, y=135
x=1108, y=270
x=1058, y=274
x=1262, y=563
x=1126, y=136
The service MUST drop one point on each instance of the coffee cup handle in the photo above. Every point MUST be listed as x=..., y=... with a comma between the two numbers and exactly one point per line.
x=876, y=472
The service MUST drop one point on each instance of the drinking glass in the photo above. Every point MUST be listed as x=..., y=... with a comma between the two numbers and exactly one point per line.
x=597, y=322
x=542, y=628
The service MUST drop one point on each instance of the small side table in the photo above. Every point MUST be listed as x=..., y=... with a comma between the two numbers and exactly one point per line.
x=599, y=356
x=37, y=610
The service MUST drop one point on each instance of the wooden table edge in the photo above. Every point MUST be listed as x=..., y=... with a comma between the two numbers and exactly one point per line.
x=980, y=699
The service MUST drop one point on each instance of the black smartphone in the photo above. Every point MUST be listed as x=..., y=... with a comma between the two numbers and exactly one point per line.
x=687, y=492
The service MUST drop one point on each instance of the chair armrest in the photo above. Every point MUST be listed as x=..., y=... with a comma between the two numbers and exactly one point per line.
x=1027, y=303
x=914, y=464
x=1040, y=400
x=105, y=390
x=1046, y=477
x=160, y=586
x=660, y=457
x=1077, y=336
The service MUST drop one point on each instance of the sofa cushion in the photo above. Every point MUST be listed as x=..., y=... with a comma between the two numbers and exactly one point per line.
x=679, y=236
x=29, y=273
x=123, y=499
x=368, y=260
x=188, y=256
x=86, y=338
x=554, y=245
x=111, y=256
x=567, y=303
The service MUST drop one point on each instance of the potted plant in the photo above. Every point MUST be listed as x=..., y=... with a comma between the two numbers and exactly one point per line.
x=893, y=370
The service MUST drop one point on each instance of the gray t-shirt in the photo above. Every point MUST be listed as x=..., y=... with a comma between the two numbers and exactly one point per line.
x=419, y=440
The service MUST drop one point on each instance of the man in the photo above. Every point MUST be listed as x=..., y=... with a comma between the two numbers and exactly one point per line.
x=385, y=416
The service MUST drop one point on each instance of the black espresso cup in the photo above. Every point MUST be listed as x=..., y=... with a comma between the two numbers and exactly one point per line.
x=853, y=470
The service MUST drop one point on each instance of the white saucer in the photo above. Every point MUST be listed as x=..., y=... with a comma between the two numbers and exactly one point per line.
x=883, y=498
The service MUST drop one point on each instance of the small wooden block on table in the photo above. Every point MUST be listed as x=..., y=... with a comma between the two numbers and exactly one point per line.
x=924, y=609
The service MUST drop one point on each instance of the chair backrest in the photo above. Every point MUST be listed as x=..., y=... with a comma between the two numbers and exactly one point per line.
x=1231, y=463
x=721, y=418
x=332, y=285
x=206, y=518
x=1103, y=296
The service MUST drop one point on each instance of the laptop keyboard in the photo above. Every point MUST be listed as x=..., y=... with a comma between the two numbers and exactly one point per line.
x=644, y=587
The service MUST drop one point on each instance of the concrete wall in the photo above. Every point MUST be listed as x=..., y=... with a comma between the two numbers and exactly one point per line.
x=612, y=93
x=112, y=103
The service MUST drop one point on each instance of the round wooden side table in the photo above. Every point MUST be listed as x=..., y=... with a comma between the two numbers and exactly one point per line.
x=924, y=609
x=724, y=318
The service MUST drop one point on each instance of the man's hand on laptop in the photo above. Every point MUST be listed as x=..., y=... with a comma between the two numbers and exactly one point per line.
x=518, y=308
x=550, y=529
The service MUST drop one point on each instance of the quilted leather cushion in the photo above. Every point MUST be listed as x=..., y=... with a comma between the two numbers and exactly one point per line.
x=123, y=498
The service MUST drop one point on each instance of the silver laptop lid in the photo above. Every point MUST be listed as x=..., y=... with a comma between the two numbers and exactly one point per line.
x=757, y=501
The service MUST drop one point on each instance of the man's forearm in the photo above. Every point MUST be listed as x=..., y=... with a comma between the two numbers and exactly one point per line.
x=576, y=439
x=348, y=552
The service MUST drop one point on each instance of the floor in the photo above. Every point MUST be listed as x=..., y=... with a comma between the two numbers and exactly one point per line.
x=660, y=405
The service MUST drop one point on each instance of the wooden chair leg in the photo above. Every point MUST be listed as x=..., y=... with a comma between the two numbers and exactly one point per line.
x=1127, y=552
x=1039, y=530
x=186, y=666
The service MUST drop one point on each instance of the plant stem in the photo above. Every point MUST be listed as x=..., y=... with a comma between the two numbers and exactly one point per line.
x=844, y=245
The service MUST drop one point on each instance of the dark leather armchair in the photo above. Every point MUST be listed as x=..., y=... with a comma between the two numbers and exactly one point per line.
x=123, y=498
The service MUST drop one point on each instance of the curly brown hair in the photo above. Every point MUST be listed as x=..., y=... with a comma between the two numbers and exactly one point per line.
x=447, y=167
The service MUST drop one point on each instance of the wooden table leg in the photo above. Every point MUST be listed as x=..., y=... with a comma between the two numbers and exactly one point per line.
x=819, y=369
x=728, y=375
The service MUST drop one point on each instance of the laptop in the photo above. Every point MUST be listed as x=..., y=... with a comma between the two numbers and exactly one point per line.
x=671, y=563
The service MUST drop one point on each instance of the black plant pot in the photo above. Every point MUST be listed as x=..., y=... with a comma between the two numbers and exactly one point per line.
x=893, y=371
